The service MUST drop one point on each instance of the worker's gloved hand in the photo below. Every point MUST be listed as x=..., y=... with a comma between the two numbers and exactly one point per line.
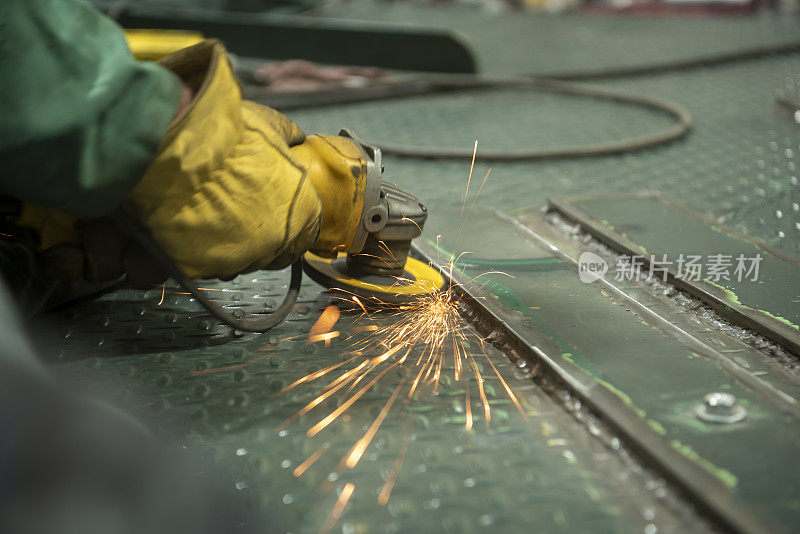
x=94, y=250
x=223, y=195
x=236, y=186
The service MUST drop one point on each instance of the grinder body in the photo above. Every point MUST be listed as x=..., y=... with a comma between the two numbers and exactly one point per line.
x=377, y=264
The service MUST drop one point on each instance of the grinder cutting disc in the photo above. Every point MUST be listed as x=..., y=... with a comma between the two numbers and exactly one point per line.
x=418, y=279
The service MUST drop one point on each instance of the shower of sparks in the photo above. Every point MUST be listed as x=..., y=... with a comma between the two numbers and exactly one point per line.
x=422, y=340
x=409, y=347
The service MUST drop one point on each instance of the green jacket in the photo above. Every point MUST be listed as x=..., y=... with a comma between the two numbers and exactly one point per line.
x=81, y=118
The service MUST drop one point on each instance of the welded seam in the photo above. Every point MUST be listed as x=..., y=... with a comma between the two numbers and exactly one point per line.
x=775, y=396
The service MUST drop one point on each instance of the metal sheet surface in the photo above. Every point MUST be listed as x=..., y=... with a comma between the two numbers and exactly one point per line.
x=752, y=284
x=214, y=392
x=660, y=378
x=661, y=227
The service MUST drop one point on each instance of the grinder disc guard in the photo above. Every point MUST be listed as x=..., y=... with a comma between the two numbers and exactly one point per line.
x=377, y=267
x=417, y=279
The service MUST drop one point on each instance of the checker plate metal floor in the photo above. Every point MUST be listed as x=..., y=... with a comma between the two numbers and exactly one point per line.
x=220, y=395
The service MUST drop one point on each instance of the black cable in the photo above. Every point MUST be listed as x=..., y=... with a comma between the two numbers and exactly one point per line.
x=143, y=237
x=677, y=131
x=672, y=66
x=557, y=82
x=437, y=83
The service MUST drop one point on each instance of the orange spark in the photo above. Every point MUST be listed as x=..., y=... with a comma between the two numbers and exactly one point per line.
x=300, y=469
x=338, y=508
x=487, y=411
x=412, y=221
x=471, y=166
x=325, y=322
x=386, y=490
x=355, y=299
x=468, y=424
x=326, y=337
x=366, y=328
x=361, y=445
x=475, y=201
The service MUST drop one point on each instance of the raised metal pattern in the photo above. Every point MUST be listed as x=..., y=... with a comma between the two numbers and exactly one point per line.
x=219, y=395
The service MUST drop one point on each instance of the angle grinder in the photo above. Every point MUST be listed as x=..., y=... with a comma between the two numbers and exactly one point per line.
x=377, y=266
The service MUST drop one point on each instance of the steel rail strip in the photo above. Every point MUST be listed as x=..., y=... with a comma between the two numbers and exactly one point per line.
x=776, y=397
x=777, y=332
x=694, y=483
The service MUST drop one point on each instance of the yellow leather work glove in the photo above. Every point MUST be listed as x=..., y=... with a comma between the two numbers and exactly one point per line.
x=93, y=249
x=235, y=186
x=223, y=195
x=338, y=171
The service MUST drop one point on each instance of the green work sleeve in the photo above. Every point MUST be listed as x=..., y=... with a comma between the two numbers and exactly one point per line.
x=81, y=118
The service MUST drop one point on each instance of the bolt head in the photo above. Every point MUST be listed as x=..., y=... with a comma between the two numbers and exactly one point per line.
x=718, y=402
x=718, y=407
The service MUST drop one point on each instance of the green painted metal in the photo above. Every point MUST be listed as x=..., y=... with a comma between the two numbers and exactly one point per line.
x=660, y=226
x=745, y=348
x=215, y=393
x=746, y=281
x=658, y=377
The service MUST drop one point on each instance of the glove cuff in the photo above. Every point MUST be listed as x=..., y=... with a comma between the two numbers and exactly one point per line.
x=224, y=196
x=205, y=68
